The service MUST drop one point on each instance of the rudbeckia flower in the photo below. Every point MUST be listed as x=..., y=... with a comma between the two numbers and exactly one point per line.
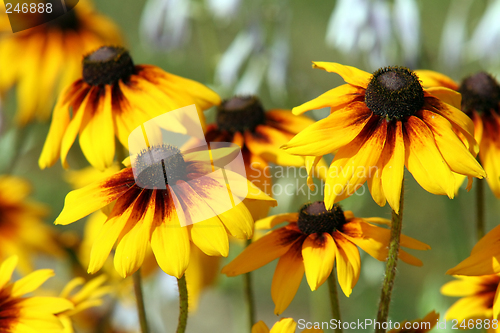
x=45, y=59
x=418, y=326
x=148, y=212
x=479, y=298
x=83, y=296
x=28, y=314
x=381, y=123
x=484, y=258
x=311, y=242
x=243, y=120
x=285, y=325
x=22, y=230
x=113, y=97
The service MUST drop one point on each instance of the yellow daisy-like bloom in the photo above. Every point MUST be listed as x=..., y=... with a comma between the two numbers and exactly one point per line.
x=479, y=297
x=43, y=60
x=285, y=325
x=418, y=326
x=146, y=212
x=311, y=242
x=484, y=258
x=242, y=120
x=28, y=314
x=381, y=123
x=89, y=295
x=113, y=97
x=22, y=231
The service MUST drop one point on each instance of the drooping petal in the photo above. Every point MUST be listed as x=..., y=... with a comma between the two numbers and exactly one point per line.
x=425, y=161
x=452, y=149
x=287, y=278
x=80, y=203
x=348, y=263
x=332, y=133
x=272, y=221
x=170, y=242
x=350, y=74
x=31, y=282
x=285, y=325
x=490, y=153
x=318, y=252
x=335, y=98
x=264, y=250
x=6, y=269
x=135, y=237
x=468, y=307
x=394, y=162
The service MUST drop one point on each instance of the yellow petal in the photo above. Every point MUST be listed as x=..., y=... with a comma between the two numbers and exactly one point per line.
x=287, y=121
x=348, y=263
x=350, y=74
x=46, y=304
x=319, y=255
x=285, y=325
x=6, y=269
x=31, y=282
x=329, y=134
x=446, y=95
x=489, y=154
x=393, y=169
x=336, y=99
x=287, y=278
x=260, y=327
x=210, y=236
x=272, y=221
x=467, y=307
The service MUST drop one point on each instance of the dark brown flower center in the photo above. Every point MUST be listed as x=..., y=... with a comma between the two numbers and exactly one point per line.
x=480, y=92
x=315, y=219
x=158, y=166
x=394, y=93
x=107, y=65
x=240, y=113
x=9, y=311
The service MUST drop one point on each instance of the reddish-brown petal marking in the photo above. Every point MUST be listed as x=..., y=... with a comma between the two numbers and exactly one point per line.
x=9, y=311
x=165, y=206
x=290, y=234
x=119, y=183
x=126, y=200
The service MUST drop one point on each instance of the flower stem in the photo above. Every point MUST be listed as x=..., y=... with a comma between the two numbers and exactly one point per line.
x=183, y=304
x=247, y=282
x=480, y=208
x=141, y=310
x=390, y=267
x=334, y=300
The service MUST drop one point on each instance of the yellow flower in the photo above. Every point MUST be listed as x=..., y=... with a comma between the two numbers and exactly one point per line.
x=311, y=242
x=381, y=123
x=242, y=120
x=43, y=60
x=89, y=295
x=22, y=231
x=484, y=258
x=479, y=297
x=28, y=314
x=163, y=216
x=113, y=97
x=418, y=326
x=285, y=325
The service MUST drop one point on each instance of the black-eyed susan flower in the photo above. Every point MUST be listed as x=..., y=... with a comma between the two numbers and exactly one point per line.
x=479, y=298
x=381, y=123
x=22, y=231
x=83, y=296
x=28, y=314
x=285, y=325
x=45, y=59
x=243, y=120
x=112, y=98
x=164, y=214
x=481, y=101
x=423, y=325
x=484, y=258
x=310, y=243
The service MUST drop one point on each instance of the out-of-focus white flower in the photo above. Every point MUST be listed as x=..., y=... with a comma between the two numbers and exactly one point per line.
x=165, y=23
x=371, y=27
x=224, y=9
x=485, y=40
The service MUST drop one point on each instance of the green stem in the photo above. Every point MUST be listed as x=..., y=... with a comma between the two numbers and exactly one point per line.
x=183, y=304
x=247, y=281
x=390, y=267
x=480, y=208
x=334, y=300
x=141, y=310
